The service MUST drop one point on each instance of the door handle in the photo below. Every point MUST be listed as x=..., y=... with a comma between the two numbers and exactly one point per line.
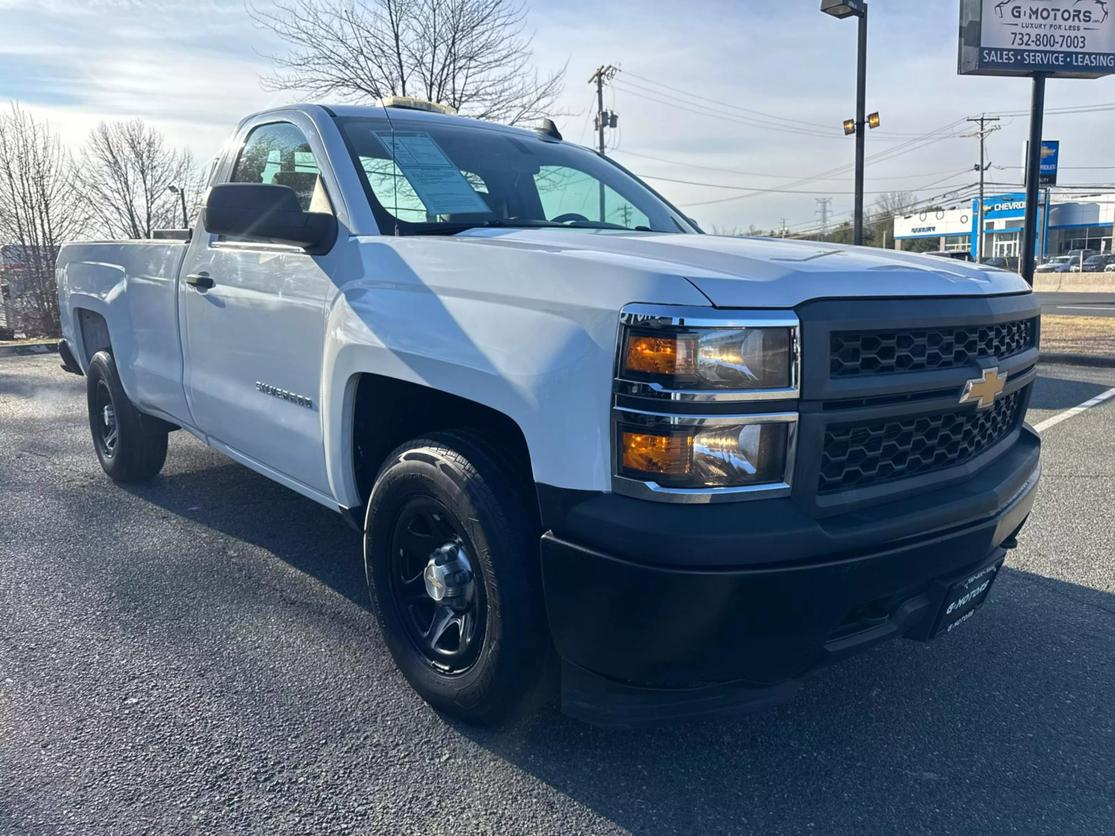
x=202, y=281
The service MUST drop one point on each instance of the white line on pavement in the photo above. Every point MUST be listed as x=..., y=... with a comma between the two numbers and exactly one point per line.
x=1076, y=410
x=1086, y=307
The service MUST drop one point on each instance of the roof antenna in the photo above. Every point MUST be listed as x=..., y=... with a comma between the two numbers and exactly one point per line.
x=549, y=129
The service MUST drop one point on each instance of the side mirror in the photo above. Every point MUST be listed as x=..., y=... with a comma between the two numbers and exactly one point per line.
x=263, y=212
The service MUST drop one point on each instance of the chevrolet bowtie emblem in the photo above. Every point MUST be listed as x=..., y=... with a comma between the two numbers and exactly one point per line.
x=985, y=389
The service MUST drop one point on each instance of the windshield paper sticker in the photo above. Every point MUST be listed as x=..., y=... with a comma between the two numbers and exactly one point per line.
x=438, y=183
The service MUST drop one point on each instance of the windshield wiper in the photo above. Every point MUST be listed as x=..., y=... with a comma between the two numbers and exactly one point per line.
x=451, y=228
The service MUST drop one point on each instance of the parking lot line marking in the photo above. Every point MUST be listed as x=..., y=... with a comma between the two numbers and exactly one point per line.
x=1086, y=307
x=1076, y=410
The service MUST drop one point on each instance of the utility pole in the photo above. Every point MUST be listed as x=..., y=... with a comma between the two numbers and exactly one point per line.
x=983, y=133
x=604, y=119
x=782, y=227
x=823, y=204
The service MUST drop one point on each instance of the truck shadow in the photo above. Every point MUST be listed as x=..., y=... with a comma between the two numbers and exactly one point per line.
x=1003, y=722
x=1008, y=720
x=241, y=504
x=1059, y=393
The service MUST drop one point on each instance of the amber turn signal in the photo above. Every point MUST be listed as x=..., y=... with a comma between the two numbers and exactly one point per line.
x=666, y=455
x=661, y=355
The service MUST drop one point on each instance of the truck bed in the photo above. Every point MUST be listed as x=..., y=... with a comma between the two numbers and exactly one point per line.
x=132, y=285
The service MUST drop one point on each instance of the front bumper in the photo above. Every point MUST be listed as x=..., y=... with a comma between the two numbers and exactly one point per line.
x=663, y=613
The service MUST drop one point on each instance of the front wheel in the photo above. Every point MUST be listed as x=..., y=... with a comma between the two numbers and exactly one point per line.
x=451, y=554
x=131, y=446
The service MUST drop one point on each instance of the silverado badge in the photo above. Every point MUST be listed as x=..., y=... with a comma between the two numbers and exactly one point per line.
x=983, y=390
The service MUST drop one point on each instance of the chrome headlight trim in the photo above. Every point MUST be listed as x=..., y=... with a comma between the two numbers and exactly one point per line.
x=648, y=489
x=677, y=316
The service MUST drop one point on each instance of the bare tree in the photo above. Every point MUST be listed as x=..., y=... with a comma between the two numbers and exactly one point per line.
x=888, y=206
x=475, y=55
x=127, y=169
x=39, y=209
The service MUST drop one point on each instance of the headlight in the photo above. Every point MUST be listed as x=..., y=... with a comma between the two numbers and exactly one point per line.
x=752, y=356
x=672, y=359
x=706, y=452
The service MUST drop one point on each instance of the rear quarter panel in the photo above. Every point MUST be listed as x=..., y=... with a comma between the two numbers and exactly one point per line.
x=134, y=287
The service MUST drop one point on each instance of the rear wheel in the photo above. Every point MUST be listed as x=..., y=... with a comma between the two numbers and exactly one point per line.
x=131, y=446
x=451, y=553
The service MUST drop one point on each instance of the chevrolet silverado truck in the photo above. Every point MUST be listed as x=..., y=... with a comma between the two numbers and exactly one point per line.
x=592, y=450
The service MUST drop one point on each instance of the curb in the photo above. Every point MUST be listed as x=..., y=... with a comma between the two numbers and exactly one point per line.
x=29, y=349
x=1065, y=358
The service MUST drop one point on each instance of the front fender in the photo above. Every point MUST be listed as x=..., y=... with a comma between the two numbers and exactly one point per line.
x=548, y=373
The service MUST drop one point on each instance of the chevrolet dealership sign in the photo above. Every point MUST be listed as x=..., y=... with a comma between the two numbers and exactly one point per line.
x=1063, y=38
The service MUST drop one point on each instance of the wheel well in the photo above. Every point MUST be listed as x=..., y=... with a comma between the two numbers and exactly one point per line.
x=94, y=333
x=389, y=412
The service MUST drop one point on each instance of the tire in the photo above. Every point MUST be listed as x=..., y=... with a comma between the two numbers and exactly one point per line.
x=131, y=446
x=501, y=669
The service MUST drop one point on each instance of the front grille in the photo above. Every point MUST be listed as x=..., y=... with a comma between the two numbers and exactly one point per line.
x=857, y=455
x=923, y=349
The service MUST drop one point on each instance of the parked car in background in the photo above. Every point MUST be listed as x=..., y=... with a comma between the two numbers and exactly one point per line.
x=996, y=261
x=1110, y=268
x=957, y=255
x=1060, y=264
x=1094, y=263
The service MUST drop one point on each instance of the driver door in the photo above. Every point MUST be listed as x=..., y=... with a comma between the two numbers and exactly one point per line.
x=253, y=320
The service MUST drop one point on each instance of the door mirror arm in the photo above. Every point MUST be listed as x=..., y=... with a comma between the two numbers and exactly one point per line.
x=263, y=212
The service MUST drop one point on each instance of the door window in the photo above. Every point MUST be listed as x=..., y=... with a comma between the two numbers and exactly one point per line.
x=278, y=154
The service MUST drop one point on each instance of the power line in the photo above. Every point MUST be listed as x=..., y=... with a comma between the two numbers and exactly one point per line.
x=721, y=103
x=957, y=195
x=677, y=103
x=772, y=190
x=682, y=164
x=891, y=153
x=683, y=100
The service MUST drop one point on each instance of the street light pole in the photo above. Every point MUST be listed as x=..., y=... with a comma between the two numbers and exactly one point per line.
x=841, y=9
x=861, y=108
x=178, y=190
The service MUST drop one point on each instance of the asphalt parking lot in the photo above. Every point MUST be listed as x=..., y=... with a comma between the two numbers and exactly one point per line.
x=197, y=655
x=1077, y=304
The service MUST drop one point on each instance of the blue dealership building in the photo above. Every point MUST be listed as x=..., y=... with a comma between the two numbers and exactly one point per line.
x=1067, y=222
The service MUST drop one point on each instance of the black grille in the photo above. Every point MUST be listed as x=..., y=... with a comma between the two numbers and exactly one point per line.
x=856, y=455
x=883, y=352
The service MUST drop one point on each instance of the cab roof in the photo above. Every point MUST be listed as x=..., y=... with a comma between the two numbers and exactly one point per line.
x=409, y=114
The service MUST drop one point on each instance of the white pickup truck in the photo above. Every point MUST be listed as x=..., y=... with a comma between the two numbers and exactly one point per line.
x=580, y=437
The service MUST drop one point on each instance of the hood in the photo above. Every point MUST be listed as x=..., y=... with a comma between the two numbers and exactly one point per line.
x=765, y=272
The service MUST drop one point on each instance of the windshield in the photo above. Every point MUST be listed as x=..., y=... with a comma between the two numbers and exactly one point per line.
x=425, y=177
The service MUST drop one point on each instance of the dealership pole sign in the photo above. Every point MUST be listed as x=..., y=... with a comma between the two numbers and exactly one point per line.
x=1060, y=38
x=1039, y=39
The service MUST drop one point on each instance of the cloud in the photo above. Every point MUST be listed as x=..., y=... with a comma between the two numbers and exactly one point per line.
x=193, y=67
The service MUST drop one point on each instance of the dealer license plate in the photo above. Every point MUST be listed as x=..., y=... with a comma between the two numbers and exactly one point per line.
x=964, y=598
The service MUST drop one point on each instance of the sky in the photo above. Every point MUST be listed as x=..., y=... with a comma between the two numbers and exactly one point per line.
x=731, y=96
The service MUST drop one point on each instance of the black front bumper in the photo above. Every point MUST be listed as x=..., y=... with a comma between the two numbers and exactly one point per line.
x=663, y=611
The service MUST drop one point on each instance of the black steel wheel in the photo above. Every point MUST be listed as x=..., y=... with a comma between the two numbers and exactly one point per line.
x=452, y=559
x=433, y=584
x=131, y=446
x=106, y=431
